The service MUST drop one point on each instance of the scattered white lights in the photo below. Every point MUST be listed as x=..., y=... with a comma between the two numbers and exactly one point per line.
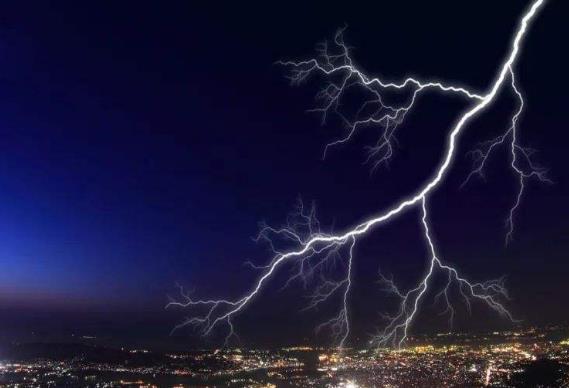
x=313, y=250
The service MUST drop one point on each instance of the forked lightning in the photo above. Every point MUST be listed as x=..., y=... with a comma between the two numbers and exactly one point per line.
x=311, y=252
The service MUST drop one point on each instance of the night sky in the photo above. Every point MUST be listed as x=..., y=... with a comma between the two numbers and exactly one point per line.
x=141, y=145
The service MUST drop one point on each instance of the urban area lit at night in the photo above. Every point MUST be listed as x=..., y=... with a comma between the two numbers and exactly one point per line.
x=497, y=359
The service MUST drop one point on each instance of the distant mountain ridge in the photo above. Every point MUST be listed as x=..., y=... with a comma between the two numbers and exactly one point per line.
x=79, y=351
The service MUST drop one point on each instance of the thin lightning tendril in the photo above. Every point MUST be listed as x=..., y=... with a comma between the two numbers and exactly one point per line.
x=520, y=157
x=311, y=252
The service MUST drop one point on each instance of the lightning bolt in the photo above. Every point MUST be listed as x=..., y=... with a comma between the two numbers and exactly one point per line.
x=311, y=252
x=519, y=155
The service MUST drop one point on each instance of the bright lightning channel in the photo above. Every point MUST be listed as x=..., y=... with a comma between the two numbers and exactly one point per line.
x=313, y=249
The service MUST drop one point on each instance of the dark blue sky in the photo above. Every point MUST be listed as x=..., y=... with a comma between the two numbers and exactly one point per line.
x=141, y=144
